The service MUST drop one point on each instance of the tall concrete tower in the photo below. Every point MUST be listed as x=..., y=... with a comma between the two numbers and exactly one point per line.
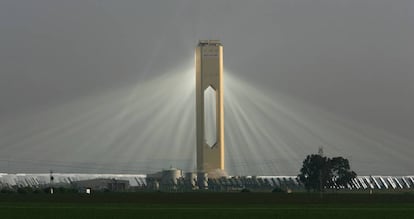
x=209, y=106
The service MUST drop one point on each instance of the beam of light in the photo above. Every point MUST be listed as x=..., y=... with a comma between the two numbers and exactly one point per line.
x=142, y=128
x=270, y=133
x=151, y=125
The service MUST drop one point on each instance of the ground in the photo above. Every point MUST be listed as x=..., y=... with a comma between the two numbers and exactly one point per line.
x=207, y=205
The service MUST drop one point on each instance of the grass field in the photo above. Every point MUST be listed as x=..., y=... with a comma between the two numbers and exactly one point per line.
x=206, y=205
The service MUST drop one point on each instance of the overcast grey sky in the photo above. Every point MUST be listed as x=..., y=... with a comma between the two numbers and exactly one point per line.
x=353, y=58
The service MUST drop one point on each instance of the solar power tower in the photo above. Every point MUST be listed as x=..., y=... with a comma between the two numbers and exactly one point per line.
x=209, y=106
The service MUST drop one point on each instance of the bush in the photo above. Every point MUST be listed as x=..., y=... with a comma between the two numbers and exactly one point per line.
x=278, y=190
x=245, y=190
x=6, y=191
x=60, y=190
x=24, y=190
x=37, y=191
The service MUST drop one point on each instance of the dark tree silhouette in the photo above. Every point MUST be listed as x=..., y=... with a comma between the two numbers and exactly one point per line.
x=341, y=172
x=319, y=172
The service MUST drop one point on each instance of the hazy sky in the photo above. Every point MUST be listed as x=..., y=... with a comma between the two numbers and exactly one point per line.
x=352, y=58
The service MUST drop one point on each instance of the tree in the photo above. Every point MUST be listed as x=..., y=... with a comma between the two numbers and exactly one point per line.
x=341, y=173
x=319, y=172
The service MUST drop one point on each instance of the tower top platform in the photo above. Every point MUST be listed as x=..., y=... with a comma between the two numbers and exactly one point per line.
x=209, y=42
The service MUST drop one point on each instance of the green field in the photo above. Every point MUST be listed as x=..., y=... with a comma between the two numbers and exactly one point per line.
x=206, y=205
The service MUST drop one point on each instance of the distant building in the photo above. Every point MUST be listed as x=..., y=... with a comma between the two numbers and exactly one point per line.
x=114, y=185
x=166, y=180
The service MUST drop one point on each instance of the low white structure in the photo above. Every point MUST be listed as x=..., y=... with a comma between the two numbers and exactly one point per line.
x=64, y=179
x=174, y=180
x=166, y=180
